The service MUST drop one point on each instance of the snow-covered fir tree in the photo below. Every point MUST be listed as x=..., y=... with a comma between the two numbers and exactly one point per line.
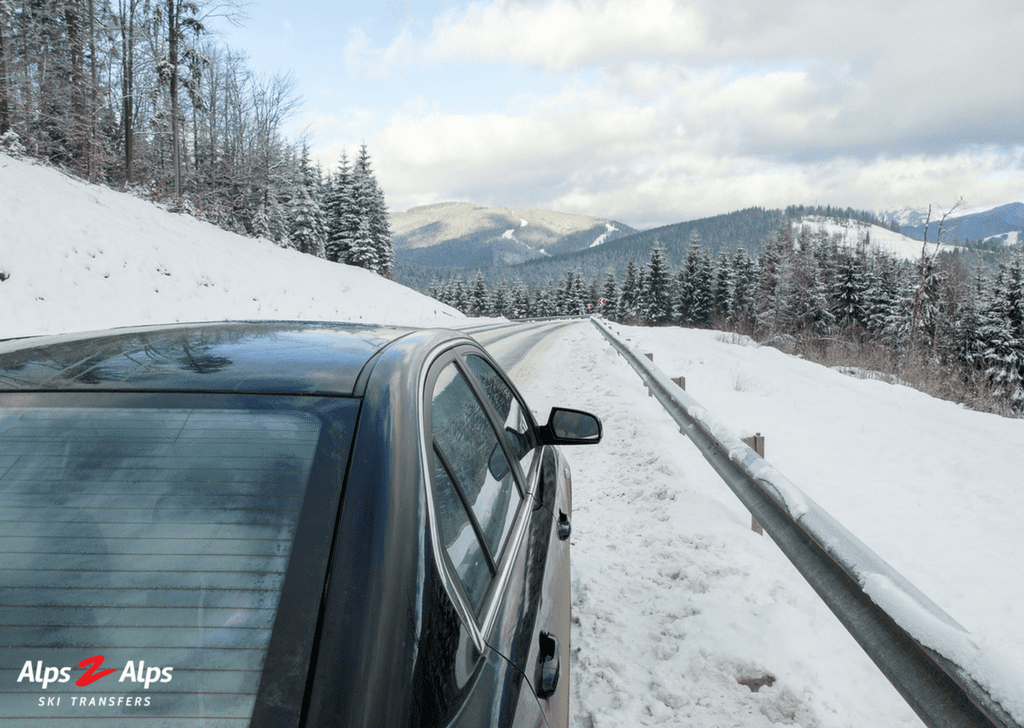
x=850, y=306
x=744, y=302
x=308, y=233
x=358, y=228
x=519, y=303
x=725, y=288
x=477, y=299
x=701, y=313
x=340, y=212
x=609, y=297
x=656, y=296
x=629, y=293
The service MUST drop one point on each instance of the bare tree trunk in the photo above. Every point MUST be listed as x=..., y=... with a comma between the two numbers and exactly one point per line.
x=93, y=90
x=5, y=107
x=73, y=22
x=127, y=11
x=173, y=10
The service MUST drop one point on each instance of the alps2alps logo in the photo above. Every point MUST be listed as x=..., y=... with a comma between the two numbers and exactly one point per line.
x=48, y=675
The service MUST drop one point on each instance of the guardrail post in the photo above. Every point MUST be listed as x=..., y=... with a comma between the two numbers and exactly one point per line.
x=681, y=383
x=756, y=444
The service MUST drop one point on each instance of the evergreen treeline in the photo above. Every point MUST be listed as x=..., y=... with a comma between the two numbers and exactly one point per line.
x=137, y=96
x=932, y=323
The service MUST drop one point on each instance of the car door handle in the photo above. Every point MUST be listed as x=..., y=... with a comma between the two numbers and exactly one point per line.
x=564, y=527
x=548, y=666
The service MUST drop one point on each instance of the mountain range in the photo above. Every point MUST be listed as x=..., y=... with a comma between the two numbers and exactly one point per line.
x=1003, y=224
x=437, y=241
x=464, y=235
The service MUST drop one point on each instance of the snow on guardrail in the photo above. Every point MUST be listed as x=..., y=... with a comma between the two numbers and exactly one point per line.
x=935, y=664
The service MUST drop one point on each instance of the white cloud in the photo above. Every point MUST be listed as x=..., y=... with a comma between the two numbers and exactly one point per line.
x=662, y=110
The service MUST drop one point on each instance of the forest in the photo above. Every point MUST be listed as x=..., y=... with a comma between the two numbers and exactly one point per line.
x=140, y=96
x=938, y=324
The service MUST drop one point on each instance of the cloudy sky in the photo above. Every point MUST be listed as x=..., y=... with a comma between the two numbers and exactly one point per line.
x=655, y=111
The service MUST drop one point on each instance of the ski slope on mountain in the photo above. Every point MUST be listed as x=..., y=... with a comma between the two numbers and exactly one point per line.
x=682, y=615
x=860, y=235
x=77, y=257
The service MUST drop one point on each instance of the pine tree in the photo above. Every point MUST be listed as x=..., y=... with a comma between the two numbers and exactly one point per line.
x=477, y=298
x=744, y=304
x=1002, y=331
x=629, y=294
x=850, y=294
x=308, y=222
x=362, y=245
x=702, y=305
x=656, y=303
x=544, y=302
x=519, y=307
x=610, y=297
x=725, y=288
x=683, y=299
x=774, y=269
x=342, y=220
x=459, y=295
x=500, y=299
x=380, y=258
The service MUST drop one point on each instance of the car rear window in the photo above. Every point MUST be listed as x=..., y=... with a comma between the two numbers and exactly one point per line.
x=142, y=555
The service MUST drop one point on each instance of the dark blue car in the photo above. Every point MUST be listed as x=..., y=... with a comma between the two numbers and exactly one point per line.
x=279, y=524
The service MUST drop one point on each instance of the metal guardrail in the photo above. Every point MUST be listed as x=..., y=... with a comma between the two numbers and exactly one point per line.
x=916, y=645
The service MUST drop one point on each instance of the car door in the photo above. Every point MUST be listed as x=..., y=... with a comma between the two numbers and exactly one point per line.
x=486, y=478
x=537, y=601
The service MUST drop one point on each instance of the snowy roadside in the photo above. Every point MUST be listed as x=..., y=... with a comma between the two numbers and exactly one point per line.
x=679, y=609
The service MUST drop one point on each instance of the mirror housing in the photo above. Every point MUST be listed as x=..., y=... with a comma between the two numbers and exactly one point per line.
x=571, y=427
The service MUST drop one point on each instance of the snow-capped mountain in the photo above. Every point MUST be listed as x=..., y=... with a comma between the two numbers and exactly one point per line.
x=904, y=216
x=1004, y=223
x=464, y=235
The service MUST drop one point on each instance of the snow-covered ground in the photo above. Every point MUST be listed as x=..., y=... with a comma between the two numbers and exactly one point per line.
x=78, y=257
x=677, y=602
x=679, y=609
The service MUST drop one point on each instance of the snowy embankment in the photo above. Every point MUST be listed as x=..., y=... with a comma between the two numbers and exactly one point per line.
x=679, y=607
x=79, y=257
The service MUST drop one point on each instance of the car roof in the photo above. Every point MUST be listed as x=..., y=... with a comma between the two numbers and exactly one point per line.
x=282, y=357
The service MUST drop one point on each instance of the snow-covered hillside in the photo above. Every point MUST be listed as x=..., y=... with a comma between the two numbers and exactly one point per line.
x=78, y=257
x=872, y=238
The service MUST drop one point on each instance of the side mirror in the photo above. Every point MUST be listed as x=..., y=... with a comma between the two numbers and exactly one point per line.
x=571, y=427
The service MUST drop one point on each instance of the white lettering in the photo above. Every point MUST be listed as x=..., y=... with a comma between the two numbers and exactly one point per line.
x=129, y=670
x=26, y=672
x=51, y=675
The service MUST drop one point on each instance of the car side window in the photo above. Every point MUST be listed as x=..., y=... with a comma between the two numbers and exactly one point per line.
x=460, y=539
x=510, y=409
x=471, y=470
